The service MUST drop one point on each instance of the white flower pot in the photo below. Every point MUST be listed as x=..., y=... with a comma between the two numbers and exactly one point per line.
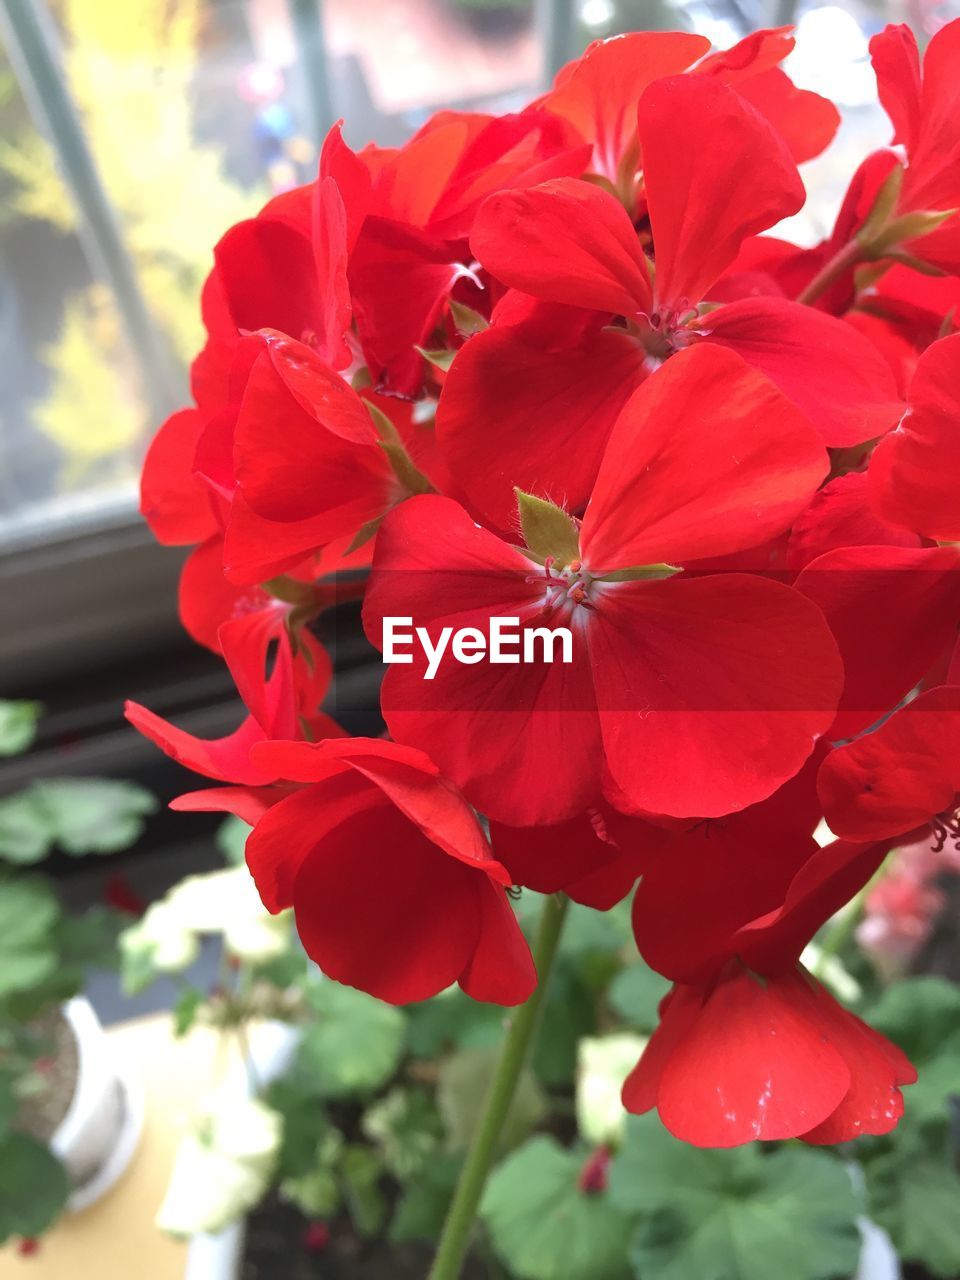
x=96, y=1139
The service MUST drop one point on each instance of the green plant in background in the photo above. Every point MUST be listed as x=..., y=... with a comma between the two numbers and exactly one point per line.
x=45, y=954
x=370, y=1124
x=132, y=69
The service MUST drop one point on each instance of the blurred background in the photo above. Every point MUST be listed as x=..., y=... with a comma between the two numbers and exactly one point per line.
x=132, y=134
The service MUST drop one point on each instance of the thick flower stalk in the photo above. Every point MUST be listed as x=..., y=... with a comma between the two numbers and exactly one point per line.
x=657, y=517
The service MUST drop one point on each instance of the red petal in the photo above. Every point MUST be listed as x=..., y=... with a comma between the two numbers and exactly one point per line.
x=714, y=174
x=897, y=778
x=752, y=1066
x=381, y=908
x=564, y=241
x=594, y=858
x=704, y=492
x=896, y=62
x=517, y=410
x=678, y=1014
x=501, y=969
x=804, y=120
x=828, y=879
x=706, y=884
x=712, y=691
x=915, y=471
x=873, y=1104
x=599, y=91
x=175, y=502
x=521, y=741
x=838, y=516
x=853, y=398
x=893, y=612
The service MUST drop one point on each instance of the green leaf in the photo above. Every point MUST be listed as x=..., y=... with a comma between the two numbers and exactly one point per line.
x=18, y=725
x=635, y=994
x=544, y=1227
x=918, y=1014
x=231, y=839
x=423, y=1206
x=452, y=1019
x=461, y=1093
x=309, y=1140
x=185, y=1010
x=33, y=1187
x=360, y=1172
x=741, y=1214
x=569, y=1014
x=916, y=1202
x=81, y=815
x=547, y=529
x=356, y=1044
x=28, y=914
x=407, y=1129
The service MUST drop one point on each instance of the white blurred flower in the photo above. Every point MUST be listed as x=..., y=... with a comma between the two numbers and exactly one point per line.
x=160, y=939
x=227, y=902
x=223, y=1165
x=603, y=1063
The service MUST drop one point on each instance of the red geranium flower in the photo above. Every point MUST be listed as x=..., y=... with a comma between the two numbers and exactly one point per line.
x=749, y=1045
x=903, y=776
x=686, y=695
x=715, y=173
x=392, y=881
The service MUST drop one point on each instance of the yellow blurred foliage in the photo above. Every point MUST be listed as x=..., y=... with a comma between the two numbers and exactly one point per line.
x=131, y=66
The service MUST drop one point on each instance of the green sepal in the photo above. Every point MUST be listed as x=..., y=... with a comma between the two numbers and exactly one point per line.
x=467, y=320
x=911, y=226
x=641, y=573
x=547, y=529
x=289, y=590
x=883, y=208
x=402, y=465
x=440, y=357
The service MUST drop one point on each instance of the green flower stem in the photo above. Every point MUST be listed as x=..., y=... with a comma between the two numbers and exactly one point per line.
x=851, y=255
x=455, y=1238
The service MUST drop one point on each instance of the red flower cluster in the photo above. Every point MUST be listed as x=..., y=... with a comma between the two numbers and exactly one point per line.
x=546, y=368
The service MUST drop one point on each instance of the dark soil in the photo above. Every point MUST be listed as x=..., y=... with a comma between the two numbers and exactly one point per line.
x=40, y=1114
x=276, y=1249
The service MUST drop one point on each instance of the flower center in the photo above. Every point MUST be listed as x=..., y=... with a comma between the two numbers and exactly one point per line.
x=566, y=585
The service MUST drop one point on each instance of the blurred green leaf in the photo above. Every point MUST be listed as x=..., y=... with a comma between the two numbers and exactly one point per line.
x=635, y=994
x=452, y=1019
x=186, y=1009
x=231, y=839
x=356, y=1043
x=916, y=1201
x=918, y=1014
x=360, y=1173
x=18, y=725
x=544, y=1227
x=28, y=913
x=80, y=815
x=739, y=1214
x=569, y=1014
x=423, y=1206
x=462, y=1090
x=33, y=1187
x=309, y=1140
x=406, y=1127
